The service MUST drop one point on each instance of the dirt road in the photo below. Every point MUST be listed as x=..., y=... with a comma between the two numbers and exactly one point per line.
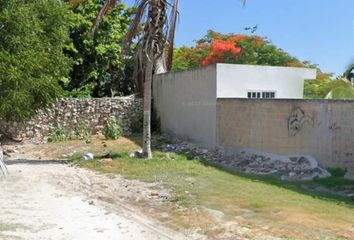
x=60, y=202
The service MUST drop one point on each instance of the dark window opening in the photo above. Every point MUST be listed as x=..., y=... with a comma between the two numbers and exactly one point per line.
x=261, y=94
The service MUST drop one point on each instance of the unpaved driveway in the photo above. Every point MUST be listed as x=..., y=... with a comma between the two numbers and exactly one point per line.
x=55, y=201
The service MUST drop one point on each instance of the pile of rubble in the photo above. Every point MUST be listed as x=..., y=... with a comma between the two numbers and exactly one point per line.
x=287, y=167
x=253, y=162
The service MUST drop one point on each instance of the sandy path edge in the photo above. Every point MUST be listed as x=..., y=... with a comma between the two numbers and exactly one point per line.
x=57, y=201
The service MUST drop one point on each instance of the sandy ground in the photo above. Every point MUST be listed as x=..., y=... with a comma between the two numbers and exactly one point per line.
x=61, y=202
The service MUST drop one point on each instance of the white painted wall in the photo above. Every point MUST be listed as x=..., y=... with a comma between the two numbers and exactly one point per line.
x=186, y=101
x=186, y=104
x=234, y=81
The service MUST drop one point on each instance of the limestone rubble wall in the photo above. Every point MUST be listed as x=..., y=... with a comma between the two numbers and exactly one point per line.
x=68, y=113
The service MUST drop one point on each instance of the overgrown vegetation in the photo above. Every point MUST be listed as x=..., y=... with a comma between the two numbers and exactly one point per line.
x=33, y=35
x=112, y=128
x=334, y=182
x=59, y=134
x=99, y=67
x=326, y=87
x=83, y=132
x=337, y=172
x=337, y=179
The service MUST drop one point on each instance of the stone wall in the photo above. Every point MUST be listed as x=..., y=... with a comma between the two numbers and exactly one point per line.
x=323, y=129
x=68, y=113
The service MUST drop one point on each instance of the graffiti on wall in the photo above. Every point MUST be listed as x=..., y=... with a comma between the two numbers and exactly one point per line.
x=297, y=121
x=334, y=127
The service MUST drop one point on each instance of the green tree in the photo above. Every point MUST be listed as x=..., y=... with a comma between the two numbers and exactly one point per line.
x=326, y=86
x=254, y=50
x=33, y=34
x=318, y=88
x=99, y=68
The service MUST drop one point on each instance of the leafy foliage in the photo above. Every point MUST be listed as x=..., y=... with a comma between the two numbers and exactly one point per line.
x=232, y=48
x=328, y=88
x=337, y=172
x=33, y=35
x=83, y=132
x=112, y=129
x=344, y=92
x=222, y=51
x=317, y=88
x=99, y=68
x=59, y=134
x=337, y=179
x=255, y=50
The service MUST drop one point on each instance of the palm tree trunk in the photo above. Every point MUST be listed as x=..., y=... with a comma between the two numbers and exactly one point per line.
x=147, y=108
x=160, y=65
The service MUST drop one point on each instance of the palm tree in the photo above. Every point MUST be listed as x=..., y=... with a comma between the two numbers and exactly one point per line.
x=154, y=48
x=348, y=72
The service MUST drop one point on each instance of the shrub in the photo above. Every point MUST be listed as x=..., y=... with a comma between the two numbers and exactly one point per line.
x=59, y=134
x=334, y=182
x=112, y=129
x=337, y=172
x=83, y=132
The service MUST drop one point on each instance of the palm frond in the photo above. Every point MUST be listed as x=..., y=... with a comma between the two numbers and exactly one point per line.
x=133, y=29
x=171, y=36
x=106, y=7
x=348, y=71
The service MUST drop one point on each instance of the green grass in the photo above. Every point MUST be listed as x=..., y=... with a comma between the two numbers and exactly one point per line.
x=337, y=181
x=282, y=206
x=334, y=182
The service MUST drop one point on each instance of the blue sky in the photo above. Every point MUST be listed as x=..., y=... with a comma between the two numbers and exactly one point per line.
x=321, y=31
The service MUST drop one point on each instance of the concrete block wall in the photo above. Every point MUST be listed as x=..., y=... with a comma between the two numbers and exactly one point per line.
x=186, y=104
x=323, y=129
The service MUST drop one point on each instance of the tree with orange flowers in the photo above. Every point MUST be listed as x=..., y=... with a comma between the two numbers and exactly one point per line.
x=222, y=51
x=232, y=48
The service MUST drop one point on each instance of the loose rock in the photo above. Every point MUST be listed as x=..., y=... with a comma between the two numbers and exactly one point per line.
x=286, y=167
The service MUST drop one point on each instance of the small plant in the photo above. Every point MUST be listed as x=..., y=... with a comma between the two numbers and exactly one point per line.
x=112, y=129
x=337, y=179
x=337, y=172
x=58, y=134
x=83, y=132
